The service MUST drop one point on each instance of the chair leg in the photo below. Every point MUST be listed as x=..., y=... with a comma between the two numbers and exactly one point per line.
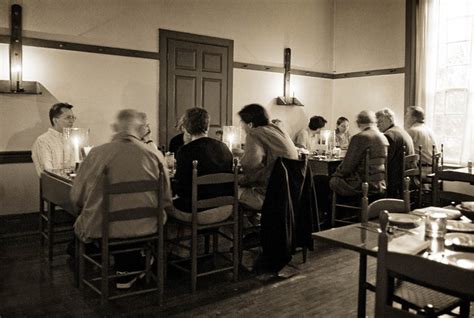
x=76, y=261
x=160, y=268
x=237, y=250
x=50, y=231
x=41, y=224
x=80, y=257
x=240, y=234
x=333, y=209
x=194, y=260
x=305, y=252
x=105, y=275
x=147, y=264
x=464, y=309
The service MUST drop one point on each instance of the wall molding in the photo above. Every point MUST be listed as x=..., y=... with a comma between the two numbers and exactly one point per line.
x=15, y=157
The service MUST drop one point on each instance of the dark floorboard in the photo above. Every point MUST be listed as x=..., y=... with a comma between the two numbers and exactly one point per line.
x=326, y=286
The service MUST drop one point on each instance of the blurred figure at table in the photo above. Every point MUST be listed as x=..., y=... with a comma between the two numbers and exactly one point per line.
x=264, y=143
x=422, y=135
x=48, y=150
x=400, y=143
x=342, y=133
x=347, y=179
x=213, y=156
x=127, y=159
x=308, y=137
x=180, y=139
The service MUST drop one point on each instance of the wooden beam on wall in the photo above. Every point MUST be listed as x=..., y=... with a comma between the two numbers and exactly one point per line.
x=410, y=52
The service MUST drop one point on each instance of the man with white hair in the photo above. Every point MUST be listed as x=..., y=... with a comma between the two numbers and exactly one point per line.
x=400, y=143
x=127, y=159
x=347, y=179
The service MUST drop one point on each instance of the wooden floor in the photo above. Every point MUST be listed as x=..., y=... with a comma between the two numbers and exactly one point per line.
x=326, y=286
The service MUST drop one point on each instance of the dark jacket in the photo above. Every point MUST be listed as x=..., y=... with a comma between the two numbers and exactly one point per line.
x=398, y=140
x=213, y=156
x=176, y=142
x=287, y=213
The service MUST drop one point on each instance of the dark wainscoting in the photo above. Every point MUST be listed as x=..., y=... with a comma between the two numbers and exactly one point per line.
x=15, y=157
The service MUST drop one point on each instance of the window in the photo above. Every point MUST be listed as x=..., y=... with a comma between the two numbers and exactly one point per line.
x=450, y=75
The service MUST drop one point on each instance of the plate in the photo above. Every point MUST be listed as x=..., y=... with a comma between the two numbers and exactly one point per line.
x=458, y=226
x=451, y=214
x=467, y=213
x=464, y=260
x=404, y=220
x=462, y=241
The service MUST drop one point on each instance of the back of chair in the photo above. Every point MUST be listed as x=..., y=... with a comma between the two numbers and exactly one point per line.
x=437, y=160
x=372, y=164
x=441, y=197
x=215, y=179
x=392, y=205
x=131, y=187
x=448, y=279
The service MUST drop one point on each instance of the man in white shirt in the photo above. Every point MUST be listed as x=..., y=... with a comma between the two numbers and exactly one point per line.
x=421, y=134
x=47, y=151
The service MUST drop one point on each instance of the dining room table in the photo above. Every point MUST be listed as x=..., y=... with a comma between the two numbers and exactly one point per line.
x=363, y=239
x=322, y=165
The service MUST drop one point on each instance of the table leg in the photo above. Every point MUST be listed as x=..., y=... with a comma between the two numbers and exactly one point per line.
x=362, y=281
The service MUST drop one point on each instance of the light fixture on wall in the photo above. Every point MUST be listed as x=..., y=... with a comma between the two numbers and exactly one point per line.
x=286, y=99
x=16, y=85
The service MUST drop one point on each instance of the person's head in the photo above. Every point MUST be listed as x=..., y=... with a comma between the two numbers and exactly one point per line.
x=61, y=116
x=179, y=124
x=131, y=122
x=385, y=119
x=253, y=116
x=316, y=123
x=365, y=119
x=342, y=125
x=196, y=121
x=414, y=114
x=145, y=127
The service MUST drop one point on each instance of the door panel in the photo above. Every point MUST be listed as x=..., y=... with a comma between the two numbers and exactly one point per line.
x=195, y=71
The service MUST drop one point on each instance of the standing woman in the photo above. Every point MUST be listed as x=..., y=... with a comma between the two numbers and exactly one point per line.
x=342, y=133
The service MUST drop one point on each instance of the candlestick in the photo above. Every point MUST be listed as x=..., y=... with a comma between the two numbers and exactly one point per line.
x=75, y=143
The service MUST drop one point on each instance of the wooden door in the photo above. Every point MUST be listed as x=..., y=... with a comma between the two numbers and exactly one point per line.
x=195, y=71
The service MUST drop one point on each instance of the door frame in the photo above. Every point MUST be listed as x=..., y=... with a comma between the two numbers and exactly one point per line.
x=164, y=36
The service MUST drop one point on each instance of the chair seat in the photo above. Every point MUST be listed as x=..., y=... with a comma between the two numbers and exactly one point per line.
x=210, y=216
x=420, y=297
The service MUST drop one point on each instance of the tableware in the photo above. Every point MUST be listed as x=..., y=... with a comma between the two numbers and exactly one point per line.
x=435, y=224
x=451, y=213
x=464, y=260
x=458, y=226
x=466, y=212
x=459, y=241
x=404, y=220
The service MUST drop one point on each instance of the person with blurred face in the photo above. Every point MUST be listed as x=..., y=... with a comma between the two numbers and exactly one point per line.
x=342, y=132
x=400, y=144
x=347, y=180
x=47, y=151
x=308, y=137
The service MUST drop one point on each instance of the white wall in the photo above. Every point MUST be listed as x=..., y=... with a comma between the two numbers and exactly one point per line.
x=100, y=85
x=368, y=35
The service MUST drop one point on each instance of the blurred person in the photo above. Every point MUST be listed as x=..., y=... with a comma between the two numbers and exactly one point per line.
x=422, y=135
x=400, y=143
x=342, y=133
x=48, y=149
x=264, y=143
x=309, y=137
x=347, y=179
x=180, y=139
x=127, y=159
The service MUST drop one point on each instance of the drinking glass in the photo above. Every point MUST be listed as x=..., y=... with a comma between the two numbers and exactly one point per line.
x=435, y=225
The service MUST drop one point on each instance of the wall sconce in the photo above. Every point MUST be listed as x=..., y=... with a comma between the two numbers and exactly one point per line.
x=286, y=99
x=16, y=85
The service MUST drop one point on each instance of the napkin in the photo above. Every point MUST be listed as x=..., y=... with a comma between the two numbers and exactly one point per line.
x=469, y=205
x=407, y=244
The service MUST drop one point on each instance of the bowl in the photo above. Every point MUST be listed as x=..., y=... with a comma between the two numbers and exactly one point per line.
x=467, y=213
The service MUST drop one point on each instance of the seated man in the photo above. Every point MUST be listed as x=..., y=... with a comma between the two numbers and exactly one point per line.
x=213, y=156
x=309, y=137
x=264, y=143
x=128, y=159
x=47, y=151
x=399, y=144
x=347, y=179
x=422, y=136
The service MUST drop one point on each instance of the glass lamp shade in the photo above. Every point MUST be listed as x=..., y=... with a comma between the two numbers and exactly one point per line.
x=232, y=137
x=76, y=146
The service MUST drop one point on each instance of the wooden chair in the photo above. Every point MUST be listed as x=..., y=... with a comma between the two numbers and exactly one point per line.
x=448, y=281
x=354, y=203
x=152, y=244
x=412, y=169
x=392, y=205
x=212, y=229
x=441, y=197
